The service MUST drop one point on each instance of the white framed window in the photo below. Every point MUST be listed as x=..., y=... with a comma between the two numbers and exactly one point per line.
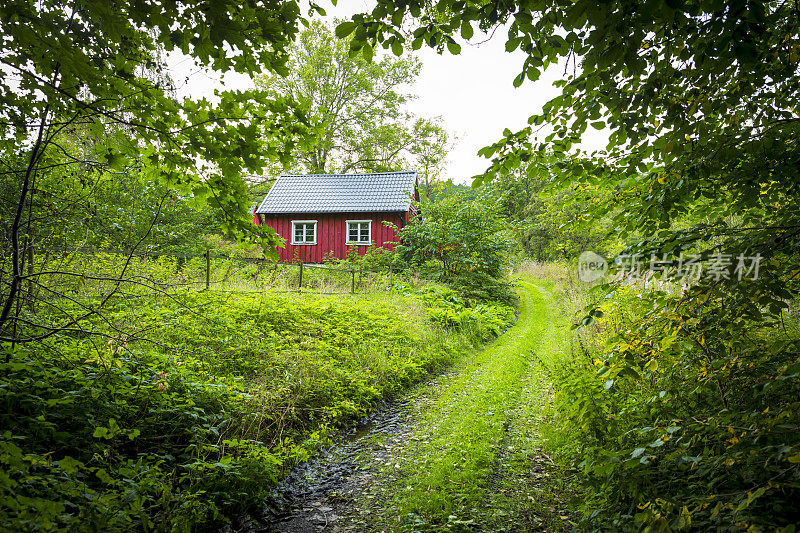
x=304, y=232
x=359, y=232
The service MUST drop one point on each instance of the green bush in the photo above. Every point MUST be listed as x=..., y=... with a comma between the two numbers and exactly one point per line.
x=459, y=234
x=458, y=241
x=689, y=418
x=448, y=308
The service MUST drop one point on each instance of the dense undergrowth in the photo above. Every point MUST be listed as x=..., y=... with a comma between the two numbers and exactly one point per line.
x=173, y=412
x=677, y=417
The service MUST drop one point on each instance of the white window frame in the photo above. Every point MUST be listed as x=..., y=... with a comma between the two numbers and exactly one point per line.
x=369, y=232
x=304, y=243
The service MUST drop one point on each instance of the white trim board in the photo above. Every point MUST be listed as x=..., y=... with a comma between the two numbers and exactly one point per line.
x=304, y=243
x=359, y=243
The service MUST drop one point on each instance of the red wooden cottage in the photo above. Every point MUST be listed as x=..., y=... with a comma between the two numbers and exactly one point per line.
x=318, y=214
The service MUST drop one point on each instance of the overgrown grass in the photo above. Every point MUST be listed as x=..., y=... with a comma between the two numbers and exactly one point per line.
x=462, y=432
x=180, y=412
x=528, y=491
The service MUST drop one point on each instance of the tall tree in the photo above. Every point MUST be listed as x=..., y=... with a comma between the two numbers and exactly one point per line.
x=430, y=147
x=359, y=105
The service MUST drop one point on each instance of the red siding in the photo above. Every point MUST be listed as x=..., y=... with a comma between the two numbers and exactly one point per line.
x=332, y=233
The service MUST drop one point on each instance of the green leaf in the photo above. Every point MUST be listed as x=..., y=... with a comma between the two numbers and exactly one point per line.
x=345, y=28
x=397, y=48
x=368, y=52
x=627, y=371
x=114, y=160
x=486, y=151
x=513, y=44
x=454, y=47
x=103, y=475
x=70, y=465
x=466, y=30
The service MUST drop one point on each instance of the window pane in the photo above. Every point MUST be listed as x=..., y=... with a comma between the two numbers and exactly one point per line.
x=304, y=232
x=358, y=232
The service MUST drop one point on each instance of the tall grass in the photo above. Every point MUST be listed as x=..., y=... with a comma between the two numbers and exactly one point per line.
x=76, y=274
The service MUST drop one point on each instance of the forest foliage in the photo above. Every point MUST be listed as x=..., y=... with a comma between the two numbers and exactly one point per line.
x=679, y=406
x=688, y=416
x=181, y=412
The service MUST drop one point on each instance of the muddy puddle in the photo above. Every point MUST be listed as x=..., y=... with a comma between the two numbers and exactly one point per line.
x=320, y=495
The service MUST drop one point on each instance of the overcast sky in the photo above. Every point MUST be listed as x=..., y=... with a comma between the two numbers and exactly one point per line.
x=472, y=92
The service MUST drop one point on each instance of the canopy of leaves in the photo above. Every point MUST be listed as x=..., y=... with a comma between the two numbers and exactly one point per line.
x=359, y=104
x=101, y=68
x=699, y=97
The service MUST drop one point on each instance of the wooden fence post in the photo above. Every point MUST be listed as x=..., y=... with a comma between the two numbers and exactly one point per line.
x=300, y=285
x=208, y=268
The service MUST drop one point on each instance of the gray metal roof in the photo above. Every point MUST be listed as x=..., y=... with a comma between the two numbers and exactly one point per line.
x=340, y=193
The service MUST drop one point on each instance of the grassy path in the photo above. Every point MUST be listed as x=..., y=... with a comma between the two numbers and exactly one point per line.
x=474, y=458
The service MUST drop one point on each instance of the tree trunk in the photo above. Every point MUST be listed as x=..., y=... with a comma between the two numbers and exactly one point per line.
x=24, y=199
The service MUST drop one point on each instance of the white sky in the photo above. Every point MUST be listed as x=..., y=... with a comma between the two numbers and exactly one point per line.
x=472, y=92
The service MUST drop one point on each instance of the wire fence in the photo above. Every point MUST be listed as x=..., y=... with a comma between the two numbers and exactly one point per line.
x=88, y=272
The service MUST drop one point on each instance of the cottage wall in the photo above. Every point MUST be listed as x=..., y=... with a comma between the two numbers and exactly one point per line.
x=332, y=233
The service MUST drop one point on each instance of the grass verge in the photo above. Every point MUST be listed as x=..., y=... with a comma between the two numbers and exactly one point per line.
x=677, y=406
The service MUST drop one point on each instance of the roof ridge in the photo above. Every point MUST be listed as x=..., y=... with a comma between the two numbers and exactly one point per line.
x=352, y=174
